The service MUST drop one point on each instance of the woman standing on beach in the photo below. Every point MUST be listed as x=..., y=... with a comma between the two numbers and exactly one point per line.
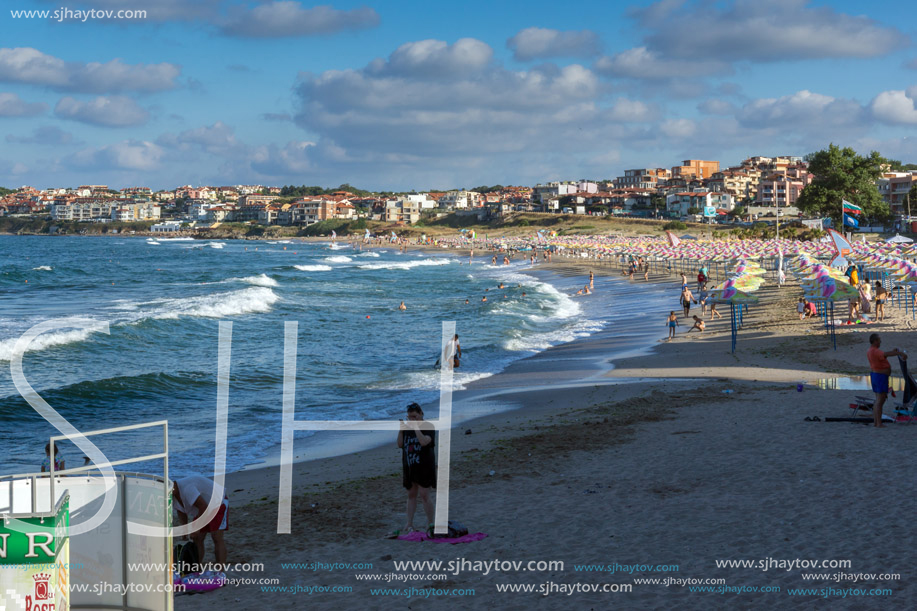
x=672, y=322
x=881, y=298
x=418, y=463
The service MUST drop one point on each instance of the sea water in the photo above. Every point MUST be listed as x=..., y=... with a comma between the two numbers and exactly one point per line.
x=359, y=357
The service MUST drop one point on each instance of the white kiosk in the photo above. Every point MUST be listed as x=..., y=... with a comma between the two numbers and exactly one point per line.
x=36, y=511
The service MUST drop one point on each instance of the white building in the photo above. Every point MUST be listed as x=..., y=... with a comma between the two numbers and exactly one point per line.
x=166, y=226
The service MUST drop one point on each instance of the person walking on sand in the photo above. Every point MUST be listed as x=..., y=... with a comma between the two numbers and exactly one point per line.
x=646, y=270
x=879, y=371
x=713, y=312
x=416, y=440
x=702, y=299
x=686, y=298
x=672, y=322
x=801, y=308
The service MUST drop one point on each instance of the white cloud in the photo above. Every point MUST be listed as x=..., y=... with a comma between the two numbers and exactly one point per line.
x=678, y=128
x=895, y=107
x=287, y=18
x=31, y=66
x=47, y=135
x=124, y=155
x=715, y=106
x=631, y=111
x=11, y=105
x=767, y=31
x=802, y=109
x=436, y=58
x=540, y=43
x=642, y=63
x=293, y=158
x=114, y=111
x=218, y=139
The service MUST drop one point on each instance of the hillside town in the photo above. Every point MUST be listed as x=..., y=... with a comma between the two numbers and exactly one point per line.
x=696, y=190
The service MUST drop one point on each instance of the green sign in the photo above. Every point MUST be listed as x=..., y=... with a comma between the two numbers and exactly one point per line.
x=34, y=540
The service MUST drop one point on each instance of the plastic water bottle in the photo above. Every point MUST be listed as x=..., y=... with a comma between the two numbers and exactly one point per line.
x=799, y=386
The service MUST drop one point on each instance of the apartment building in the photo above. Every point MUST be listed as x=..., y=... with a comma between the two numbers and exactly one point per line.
x=696, y=168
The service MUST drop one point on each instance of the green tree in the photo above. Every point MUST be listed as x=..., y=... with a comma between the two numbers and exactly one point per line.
x=842, y=174
x=693, y=210
x=738, y=211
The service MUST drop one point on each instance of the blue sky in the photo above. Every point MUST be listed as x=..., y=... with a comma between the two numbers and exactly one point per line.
x=402, y=95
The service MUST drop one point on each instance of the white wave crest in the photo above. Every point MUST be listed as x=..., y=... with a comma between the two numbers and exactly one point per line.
x=219, y=305
x=536, y=342
x=408, y=265
x=368, y=254
x=43, y=268
x=313, y=268
x=260, y=280
x=429, y=380
x=338, y=259
x=44, y=341
x=174, y=239
x=215, y=244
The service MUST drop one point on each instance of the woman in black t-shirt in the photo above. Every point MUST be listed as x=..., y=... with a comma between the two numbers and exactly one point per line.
x=418, y=462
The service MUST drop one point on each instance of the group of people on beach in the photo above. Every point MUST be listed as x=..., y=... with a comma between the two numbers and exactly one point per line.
x=687, y=298
x=636, y=265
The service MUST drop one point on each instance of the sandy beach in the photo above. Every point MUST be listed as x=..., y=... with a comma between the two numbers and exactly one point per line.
x=686, y=456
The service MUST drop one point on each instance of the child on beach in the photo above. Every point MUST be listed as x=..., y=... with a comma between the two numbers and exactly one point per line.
x=416, y=440
x=801, y=307
x=698, y=324
x=672, y=322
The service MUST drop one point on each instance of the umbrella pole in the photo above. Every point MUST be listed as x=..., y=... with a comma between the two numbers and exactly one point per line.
x=732, y=311
x=833, y=331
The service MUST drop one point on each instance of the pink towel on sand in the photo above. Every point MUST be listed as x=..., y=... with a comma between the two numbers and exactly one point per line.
x=422, y=536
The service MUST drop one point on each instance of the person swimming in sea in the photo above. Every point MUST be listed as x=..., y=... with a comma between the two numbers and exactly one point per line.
x=402, y=306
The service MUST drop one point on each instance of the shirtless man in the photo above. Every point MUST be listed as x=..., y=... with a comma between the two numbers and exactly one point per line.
x=879, y=371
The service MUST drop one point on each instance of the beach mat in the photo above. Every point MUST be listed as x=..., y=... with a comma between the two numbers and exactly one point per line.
x=422, y=536
x=885, y=418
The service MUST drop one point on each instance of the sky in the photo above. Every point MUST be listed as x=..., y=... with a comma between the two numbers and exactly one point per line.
x=402, y=95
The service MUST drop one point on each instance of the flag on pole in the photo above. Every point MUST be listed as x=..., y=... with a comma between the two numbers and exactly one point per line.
x=849, y=221
x=851, y=209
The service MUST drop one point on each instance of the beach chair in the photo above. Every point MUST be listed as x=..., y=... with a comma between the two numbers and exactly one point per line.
x=861, y=403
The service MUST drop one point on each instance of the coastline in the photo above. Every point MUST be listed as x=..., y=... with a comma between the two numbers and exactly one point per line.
x=727, y=474
x=572, y=364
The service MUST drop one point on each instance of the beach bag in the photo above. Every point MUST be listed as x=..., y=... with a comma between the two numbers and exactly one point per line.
x=456, y=530
x=184, y=555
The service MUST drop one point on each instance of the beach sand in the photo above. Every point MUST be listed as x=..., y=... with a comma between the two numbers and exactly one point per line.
x=685, y=456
